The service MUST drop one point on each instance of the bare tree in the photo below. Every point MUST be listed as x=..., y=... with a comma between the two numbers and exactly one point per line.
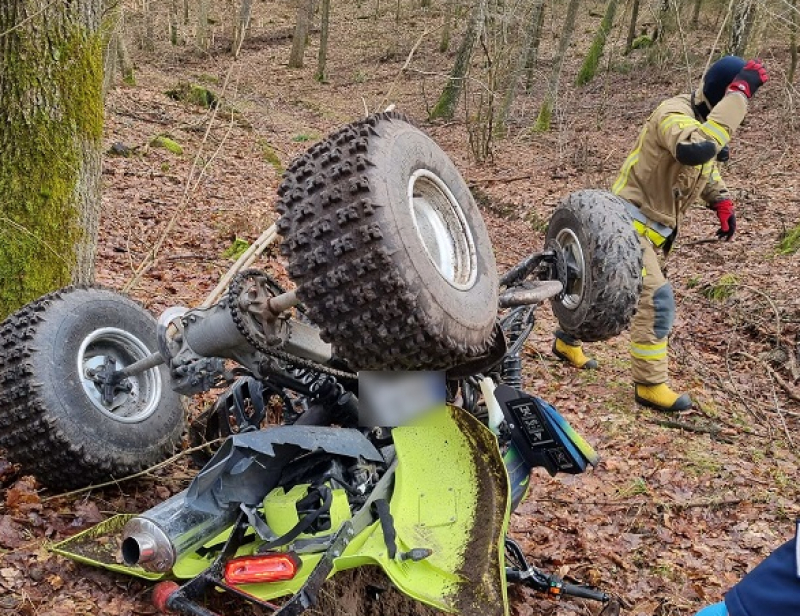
x=203, y=29
x=322, y=56
x=590, y=63
x=50, y=145
x=698, y=4
x=148, y=38
x=743, y=18
x=632, y=26
x=301, y=28
x=793, y=42
x=551, y=95
x=530, y=41
x=446, y=105
x=537, y=20
x=240, y=28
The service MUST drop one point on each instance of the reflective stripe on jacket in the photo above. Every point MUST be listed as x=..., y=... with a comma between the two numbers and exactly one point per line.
x=651, y=176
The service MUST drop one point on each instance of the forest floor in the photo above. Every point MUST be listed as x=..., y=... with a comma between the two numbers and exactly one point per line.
x=672, y=517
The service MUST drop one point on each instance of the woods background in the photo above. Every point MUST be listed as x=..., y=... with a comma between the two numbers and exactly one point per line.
x=207, y=102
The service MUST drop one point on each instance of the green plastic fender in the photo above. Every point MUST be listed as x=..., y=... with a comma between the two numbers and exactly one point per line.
x=451, y=496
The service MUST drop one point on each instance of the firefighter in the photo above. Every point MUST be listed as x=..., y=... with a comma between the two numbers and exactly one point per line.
x=674, y=164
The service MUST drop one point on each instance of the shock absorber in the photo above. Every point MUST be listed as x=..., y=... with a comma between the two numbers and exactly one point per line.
x=511, y=370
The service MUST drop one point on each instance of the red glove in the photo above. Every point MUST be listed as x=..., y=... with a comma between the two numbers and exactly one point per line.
x=749, y=79
x=727, y=219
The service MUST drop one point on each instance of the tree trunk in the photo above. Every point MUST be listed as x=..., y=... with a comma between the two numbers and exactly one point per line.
x=176, y=32
x=51, y=78
x=322, y=57
x=551, y=96
x=632, y=26
x=537, y=21
x=793, y=43
x=531, y=39
x=698, y=4
x=446, y=105
x=148, y=40
x=743, y=19
x=242, y=24
x=592, y=60
x=447, y=28
x=301, y=28
x=110, y=29
x=125, y=63
x=203, y=30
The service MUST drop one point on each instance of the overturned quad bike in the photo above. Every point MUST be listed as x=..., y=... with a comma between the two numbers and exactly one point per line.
x=394, y=270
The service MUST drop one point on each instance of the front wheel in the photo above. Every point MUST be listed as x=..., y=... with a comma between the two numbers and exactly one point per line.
x=55, y=420
x=601, y=265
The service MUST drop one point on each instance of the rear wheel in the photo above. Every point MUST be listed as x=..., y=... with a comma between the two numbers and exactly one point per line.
x=56, y=419
x=388, y=249
x=600, y=265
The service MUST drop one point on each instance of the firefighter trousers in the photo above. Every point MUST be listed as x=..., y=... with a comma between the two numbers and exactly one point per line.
x=652, y=322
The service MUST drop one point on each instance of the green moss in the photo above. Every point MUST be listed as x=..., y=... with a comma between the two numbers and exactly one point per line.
x=642, y=42
x=592, y=60
x=722, y=289
x=235, y=250
x=54, y=112
x=194, y=95
x=790, y=242
x=269, y=155
x=162, y=141
x=543, y=120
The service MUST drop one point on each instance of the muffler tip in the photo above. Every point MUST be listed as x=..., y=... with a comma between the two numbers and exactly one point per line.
x=145, y=545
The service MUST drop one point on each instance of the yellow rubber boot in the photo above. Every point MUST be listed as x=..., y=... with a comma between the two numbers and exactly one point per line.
x=661, y=398
x=567, y=349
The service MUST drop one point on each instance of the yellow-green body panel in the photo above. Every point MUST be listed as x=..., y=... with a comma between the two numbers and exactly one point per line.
x=450, y=495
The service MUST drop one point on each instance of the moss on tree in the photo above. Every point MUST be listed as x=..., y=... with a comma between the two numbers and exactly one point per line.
x=52, y=111
x=592, y=60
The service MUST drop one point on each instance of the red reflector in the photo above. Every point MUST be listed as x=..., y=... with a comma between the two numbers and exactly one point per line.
x=276, y=567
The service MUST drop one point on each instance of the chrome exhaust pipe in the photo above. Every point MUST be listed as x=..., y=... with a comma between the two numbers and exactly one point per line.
x=157, y=538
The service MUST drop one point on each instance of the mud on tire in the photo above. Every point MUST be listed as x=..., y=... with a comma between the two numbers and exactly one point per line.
x=604, y=265
x=388, y=249
x=50, y=423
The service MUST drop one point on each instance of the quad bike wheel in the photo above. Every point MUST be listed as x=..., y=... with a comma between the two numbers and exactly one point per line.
x=602, y=265
x=54, y=420
x=388, y=248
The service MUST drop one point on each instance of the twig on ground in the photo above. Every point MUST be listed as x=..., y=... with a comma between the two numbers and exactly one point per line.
x=243, y=262
x=141, y=473
x=714, y=431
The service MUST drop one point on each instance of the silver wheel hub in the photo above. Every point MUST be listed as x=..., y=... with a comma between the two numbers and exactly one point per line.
x=576, y=268
x=442, y=227
x=110, y=347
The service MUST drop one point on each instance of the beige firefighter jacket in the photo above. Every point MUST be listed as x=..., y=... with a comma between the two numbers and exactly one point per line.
x=655, y=181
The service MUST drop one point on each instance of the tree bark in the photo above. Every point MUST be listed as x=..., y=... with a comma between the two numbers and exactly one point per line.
x=110, y=24
x=148, y=40
x=698, y=4
x=176, y=31
x=301, y=28
x=632, y=26
x=551, y=96
x=793, y=43
x=125, y=62
x=203, y=30
x=446, y=105
x=51, y=77
x=242, y=23
x=530, y=40
x=447, y=28
x=537, y=20
x=592, y=60
x=322, y=57
x=743, y=18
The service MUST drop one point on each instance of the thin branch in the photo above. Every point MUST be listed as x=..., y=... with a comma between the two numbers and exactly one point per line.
x=147, y=471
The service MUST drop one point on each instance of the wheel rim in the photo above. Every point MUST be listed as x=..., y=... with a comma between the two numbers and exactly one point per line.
x=576, y=267
x=442, y=227
x=123, y=348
